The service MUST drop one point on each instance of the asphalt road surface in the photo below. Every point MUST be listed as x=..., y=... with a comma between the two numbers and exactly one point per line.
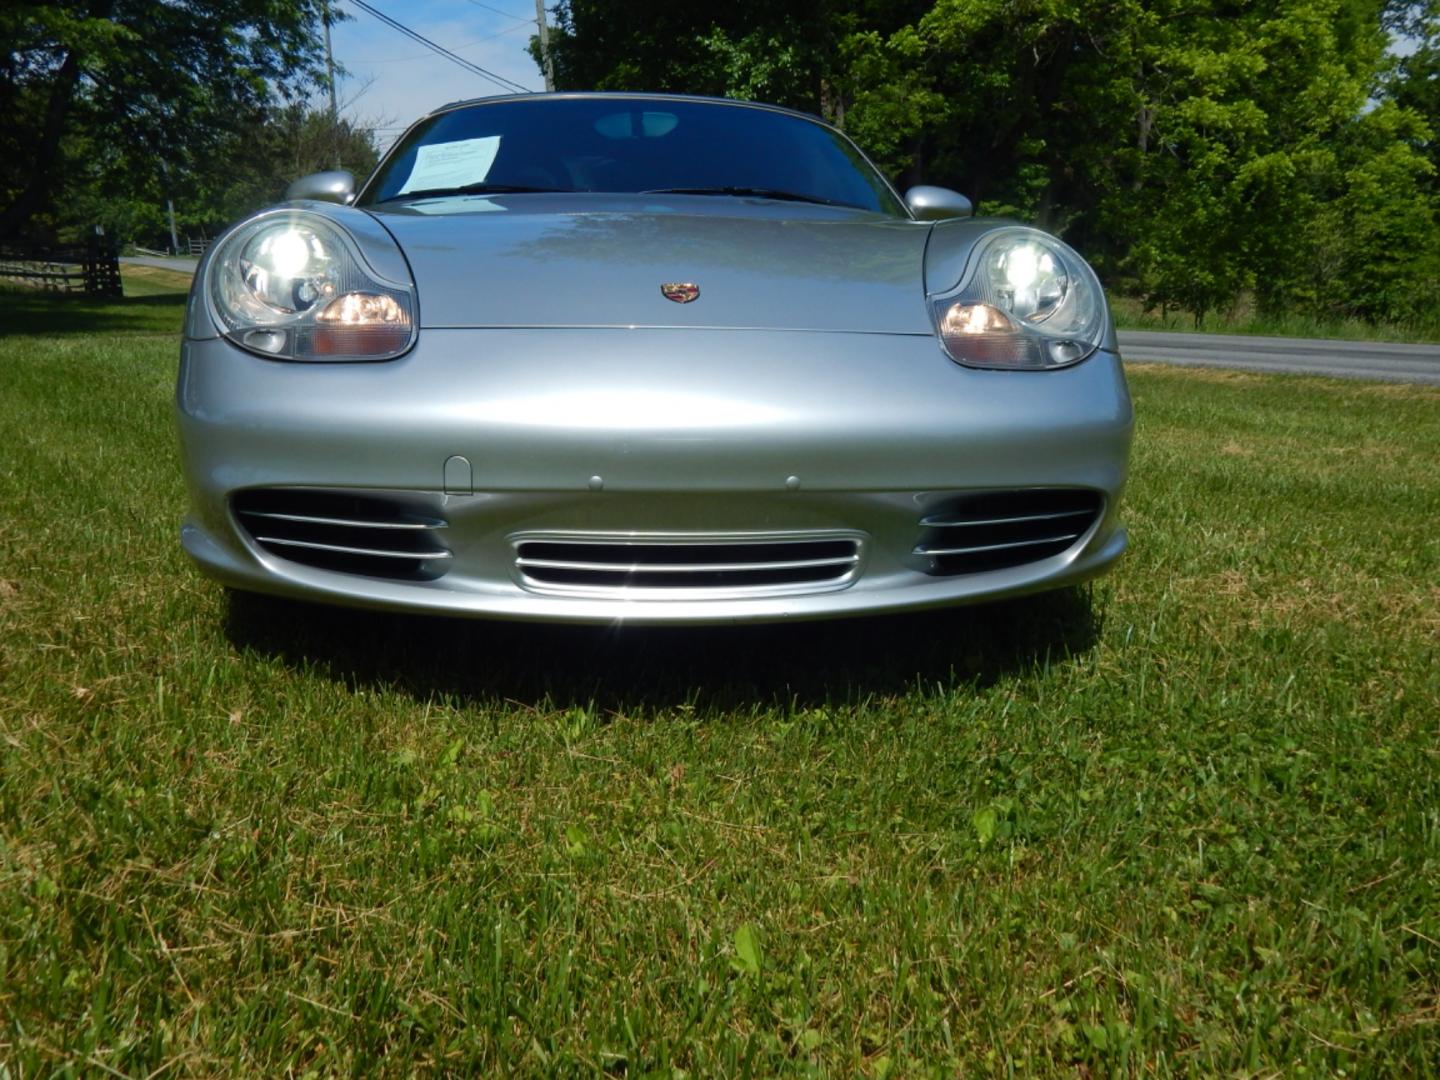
x=1301, y=356
x=162, y=262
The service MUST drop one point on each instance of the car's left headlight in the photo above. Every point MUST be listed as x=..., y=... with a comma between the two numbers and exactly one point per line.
x=1027, y=302
x=294, y=286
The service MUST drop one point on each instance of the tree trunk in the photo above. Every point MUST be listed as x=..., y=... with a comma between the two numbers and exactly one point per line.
x=47, y=151
x=832, y=104
x=1144, y=123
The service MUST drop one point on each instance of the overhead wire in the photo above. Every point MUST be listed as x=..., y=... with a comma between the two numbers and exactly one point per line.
x=497, y=11
x=421, y=56
x=475, y=69
x=499, y=80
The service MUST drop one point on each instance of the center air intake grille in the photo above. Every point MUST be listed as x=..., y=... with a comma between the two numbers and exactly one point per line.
x=995, y=530
x=671, y=564
x=348, y=533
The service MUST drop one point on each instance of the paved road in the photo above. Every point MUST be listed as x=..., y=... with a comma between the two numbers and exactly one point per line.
x=183, y=265
x=1303, y=356
x=1341, y=359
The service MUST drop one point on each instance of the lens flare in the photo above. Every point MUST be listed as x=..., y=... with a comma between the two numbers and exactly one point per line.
x=1030, y=279
x=287, y=253
x=1022, y=265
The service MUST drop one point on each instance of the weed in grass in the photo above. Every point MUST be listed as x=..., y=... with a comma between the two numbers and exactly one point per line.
x=1181, y=822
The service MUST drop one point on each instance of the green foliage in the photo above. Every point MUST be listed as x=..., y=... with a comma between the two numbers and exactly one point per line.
x=1197, y=152
x=247, y=170
x=892, y=103
x=780, y=52
x=120, y=100
x=1130, y=314
x=1375, y=240
x=1413, y=79
x=255, y=165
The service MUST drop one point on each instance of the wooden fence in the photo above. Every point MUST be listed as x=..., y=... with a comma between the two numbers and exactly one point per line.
x=94, y=271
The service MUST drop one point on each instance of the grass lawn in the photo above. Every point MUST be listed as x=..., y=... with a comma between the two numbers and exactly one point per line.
x=1186, y=821
x=153, y=281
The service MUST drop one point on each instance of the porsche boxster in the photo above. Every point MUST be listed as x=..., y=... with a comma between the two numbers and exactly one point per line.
x=605, y=357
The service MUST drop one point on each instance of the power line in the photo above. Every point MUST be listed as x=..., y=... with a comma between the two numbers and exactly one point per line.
x=498, y=80
x=474, y=69
x=497, y=11
x=421, y=56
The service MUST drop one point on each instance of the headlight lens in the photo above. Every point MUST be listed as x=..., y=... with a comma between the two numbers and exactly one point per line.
x=1027, y=302
x=292, y=285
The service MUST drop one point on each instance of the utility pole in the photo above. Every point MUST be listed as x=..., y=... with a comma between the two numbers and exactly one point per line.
x=174, y=237
x=545, y=45
x=330, y=79
x=170, y=209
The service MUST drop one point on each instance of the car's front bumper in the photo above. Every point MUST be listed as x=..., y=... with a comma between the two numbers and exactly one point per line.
x=690, y=434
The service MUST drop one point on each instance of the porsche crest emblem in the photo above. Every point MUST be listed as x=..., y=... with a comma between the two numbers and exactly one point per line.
x=682, y=292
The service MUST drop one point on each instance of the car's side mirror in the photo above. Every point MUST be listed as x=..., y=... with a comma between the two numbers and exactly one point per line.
x=929, y=203
x=336, y=185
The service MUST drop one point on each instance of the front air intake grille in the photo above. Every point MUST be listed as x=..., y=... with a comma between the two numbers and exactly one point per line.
x=995, y=530
x=374, y=535
x=712, y=565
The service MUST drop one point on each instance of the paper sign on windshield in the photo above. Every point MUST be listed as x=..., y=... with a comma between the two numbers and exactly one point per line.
x=452, y=164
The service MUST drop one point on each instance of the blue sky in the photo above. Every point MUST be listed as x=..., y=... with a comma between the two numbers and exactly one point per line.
x=409, y=79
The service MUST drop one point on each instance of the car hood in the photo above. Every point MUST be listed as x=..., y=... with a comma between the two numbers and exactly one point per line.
x=600, y=261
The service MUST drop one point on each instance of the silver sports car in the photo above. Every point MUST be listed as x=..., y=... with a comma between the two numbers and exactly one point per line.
x=602, y=357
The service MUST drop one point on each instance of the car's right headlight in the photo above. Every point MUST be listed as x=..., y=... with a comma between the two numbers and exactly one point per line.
x=1026, y=302
x=293, y=286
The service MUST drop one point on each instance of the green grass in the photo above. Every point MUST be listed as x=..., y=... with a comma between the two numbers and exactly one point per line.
x=153, y=281
x=1130, y=314
x=1186, y=821
x=154, y=303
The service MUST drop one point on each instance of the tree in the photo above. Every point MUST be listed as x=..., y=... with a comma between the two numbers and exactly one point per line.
x=148, y=82
x=1196, y=150
x=261, y=159
x=1413, y=81
x=788, y=52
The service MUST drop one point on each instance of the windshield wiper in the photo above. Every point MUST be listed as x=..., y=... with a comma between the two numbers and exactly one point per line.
x=753, y=192
x=478, y=189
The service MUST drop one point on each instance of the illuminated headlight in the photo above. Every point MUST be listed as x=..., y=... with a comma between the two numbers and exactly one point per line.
x=1027, y=301
x=293, y=286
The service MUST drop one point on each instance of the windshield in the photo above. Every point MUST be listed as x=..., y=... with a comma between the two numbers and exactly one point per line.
x=629, y=145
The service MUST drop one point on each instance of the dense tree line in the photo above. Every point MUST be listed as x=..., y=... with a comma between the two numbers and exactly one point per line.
x=114, y=107
x=1199, y=150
